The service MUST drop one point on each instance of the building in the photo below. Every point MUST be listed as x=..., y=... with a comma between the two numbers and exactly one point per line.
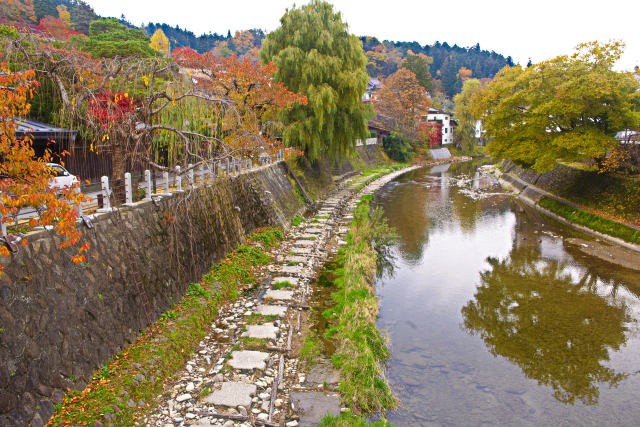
x=446, y=125
x=373, y=85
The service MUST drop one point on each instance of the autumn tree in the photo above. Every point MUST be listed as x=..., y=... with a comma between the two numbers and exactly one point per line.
x=64, y=15
x=464, y=74
x=318, y=58
x=17, y=10
x=160, y=42
x=419, y=65
x=402, y=102
x=465, y=132
x=24, y=179
x=566, y=108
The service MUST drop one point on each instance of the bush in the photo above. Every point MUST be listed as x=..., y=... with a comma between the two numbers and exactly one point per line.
x=397, y=148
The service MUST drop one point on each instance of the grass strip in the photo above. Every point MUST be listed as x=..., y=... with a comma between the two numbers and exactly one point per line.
x=361, y=349
x=589, y=220
x=122, y=390
x=349, y=420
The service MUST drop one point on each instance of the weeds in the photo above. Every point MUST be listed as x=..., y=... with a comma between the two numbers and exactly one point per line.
x=310, y=349
x=283, y=284
x=296, y=220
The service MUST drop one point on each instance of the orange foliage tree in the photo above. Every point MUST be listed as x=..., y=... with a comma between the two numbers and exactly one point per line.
x=250, y=91
x=402, y=103
x=24, y=179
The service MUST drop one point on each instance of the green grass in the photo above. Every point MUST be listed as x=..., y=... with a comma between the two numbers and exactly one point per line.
x=283, y=284
x=349, y=420
x=259, y=319
x=296, y=220
x=360, y=347
x=310, y=349
x=163, y=348
x=254, y=343
x=589, y=220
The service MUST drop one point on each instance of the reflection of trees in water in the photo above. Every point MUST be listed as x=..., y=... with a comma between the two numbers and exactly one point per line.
x=405, y=210
x=559, y=333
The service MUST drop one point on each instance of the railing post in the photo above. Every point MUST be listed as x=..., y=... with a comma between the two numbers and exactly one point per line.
x=192, y=183
x=106, y=206
x=227, y=169
x=79, y=205
x=147, y=184
x=165, y=179
x=128, y=189
x=178, y=179
x=3, y=226
x=203, y=174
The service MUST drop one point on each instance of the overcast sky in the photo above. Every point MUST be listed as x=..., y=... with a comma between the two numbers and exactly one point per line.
x=536, y=29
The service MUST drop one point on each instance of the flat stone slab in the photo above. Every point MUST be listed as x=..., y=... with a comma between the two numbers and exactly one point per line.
x=313, y=406
x=302, y=251
x=313, y=230
x=290, y=269
x=232, y=394
x=304, y=243
x=271, y=310
x=293, y=280
x=248, y=359
x=279, y=294
x=267, y=331
x=295, y=258
x=323, y=373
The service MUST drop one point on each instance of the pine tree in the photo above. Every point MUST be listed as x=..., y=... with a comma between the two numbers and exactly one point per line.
x=317, y=57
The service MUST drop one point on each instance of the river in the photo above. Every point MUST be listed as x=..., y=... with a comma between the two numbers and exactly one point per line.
x=494, y=318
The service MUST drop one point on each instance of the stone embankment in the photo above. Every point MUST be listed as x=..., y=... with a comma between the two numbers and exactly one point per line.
x=246, y=370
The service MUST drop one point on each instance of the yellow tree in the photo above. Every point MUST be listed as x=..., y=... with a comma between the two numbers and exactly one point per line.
x=64, y=15
x=160, y=42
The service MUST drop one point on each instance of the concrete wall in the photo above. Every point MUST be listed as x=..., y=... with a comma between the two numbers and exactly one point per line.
x=61, y=321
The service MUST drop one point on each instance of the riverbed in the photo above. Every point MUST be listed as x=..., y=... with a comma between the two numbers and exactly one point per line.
x=495, y=317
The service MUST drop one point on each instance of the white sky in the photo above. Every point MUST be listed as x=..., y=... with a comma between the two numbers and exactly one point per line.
x=539, y=29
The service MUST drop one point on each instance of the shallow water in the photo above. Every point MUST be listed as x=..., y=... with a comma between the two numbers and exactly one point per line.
x=494, y=319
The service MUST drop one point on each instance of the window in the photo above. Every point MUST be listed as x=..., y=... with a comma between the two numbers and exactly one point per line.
x=445, y=130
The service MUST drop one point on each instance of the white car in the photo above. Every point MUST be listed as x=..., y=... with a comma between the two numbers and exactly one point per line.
x=61, y=178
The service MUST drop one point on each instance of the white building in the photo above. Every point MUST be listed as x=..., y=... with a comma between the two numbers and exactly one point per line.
x=443, y=118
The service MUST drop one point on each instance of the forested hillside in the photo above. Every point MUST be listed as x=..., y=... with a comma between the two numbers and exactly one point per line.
x=448, y=65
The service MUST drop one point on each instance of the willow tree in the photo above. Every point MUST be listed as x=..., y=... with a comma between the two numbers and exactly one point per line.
x=566, y=108
x=317, y=57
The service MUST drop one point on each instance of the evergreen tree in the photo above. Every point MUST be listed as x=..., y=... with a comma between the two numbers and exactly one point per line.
x=419, y=66
x=317, y=57
x=449, y=73
x=109, y=38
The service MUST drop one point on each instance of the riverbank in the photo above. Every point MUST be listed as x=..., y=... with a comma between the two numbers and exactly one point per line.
x=244, y=330
x=621, y=234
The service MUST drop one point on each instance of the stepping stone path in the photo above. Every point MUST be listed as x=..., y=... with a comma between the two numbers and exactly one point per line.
x=248, y=359
x=266, y=331
x=224, y=377
x=278, y=294
x=232, y=394
x=272, y=310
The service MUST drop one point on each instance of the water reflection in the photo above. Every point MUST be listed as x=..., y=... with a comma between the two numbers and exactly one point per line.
x=558, y=331
x=549, y=334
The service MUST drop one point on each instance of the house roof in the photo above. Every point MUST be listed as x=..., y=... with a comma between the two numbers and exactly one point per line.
x=39, y=130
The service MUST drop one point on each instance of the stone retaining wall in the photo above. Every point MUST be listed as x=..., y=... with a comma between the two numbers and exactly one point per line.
x=60, y=321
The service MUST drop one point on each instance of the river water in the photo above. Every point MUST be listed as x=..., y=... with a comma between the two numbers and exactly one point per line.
x=494, y=318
